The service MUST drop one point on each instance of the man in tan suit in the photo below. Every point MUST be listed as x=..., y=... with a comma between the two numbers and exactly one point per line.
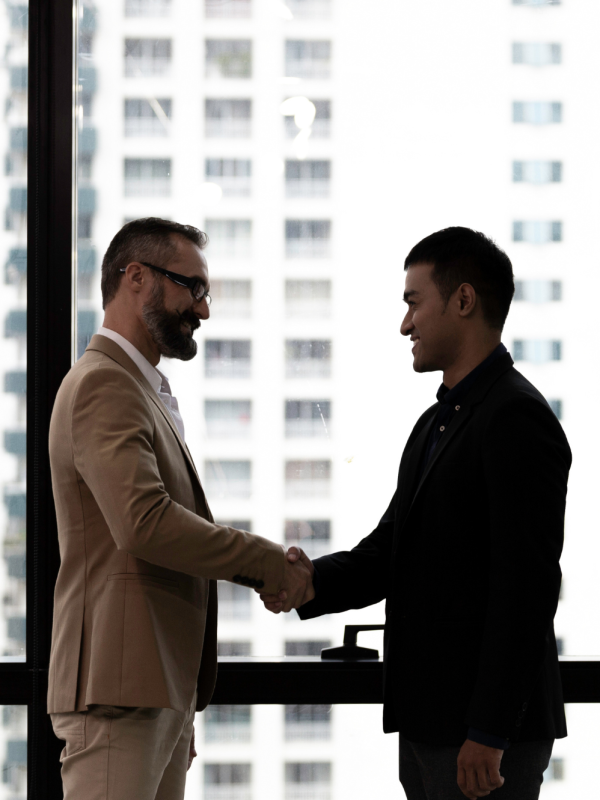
x=135, y=617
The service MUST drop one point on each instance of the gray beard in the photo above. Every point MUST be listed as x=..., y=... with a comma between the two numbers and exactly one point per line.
x=165, y=328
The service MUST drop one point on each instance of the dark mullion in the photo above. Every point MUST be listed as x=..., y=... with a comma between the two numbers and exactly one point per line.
x=48, y=347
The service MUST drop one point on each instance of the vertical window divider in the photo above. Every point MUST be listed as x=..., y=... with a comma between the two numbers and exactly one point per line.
x=49, y=347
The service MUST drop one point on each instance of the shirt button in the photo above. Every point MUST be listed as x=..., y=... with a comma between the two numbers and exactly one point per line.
x=442, y=428
x=457, y=408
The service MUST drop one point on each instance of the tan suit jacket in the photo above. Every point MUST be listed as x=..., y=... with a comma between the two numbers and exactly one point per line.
x=135, y=609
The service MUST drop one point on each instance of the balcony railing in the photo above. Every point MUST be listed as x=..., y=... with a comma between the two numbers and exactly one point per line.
x=307, y=308
x=233, y=186
x=307, y=488
x=227, y=732
x=228, y=368
x=320, y=129
x=310, y=9
x=309, y=188
x=145, y=126
x=307, y=248
x=307, y=731
x=228, y=428
x=308, y=368
x=228, y=128
x=308, y=68
x=147, y=67
x=147, y=187
x=316, y=791
x=236, y=488
x=227, y=792
x=307, y=428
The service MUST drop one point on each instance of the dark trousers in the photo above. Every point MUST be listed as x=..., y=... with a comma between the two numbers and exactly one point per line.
x=429, y=772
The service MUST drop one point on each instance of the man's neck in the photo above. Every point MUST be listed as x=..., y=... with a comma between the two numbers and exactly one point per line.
x=468, y=360
x=137, y=336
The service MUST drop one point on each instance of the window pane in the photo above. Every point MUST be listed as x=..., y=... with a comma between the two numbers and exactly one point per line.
x=312, y=192
x=13, y=344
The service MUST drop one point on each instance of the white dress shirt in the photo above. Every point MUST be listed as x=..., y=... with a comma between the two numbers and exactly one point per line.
x=156, y=379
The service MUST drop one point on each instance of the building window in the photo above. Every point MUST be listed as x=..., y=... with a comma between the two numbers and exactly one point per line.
x=537, y=351
x=307, y=178
x=537, y=54
x=227, y=119
x=233, y=175
x=306, y=648
x=312, y=535
x=147, y=8
x=228, y=479
x=235, y=649
x=537, y=113
x=307, y=418
x=307, y=479
x=228, y=58
x=227, y=723
x=232, y=8
x=232, y=298
x=147, y=177
x=307, y=358
x=227, y=781
x=538, y=291
x=307, y=238
x=228, y=418
x=557, y=407
x=309, y=60
x=310, y=9
x=321, y=125
x=229, y=238
x=308, y=299
x=234, y=602
x=555, y=770
x=150, y=117
x=307, y=722
x=536, y=3
x=227, y=358
x=537, y=171
x=308, y=781
x=537, y=232
x=145, y=58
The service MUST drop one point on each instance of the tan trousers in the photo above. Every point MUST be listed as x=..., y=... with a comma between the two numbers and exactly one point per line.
x=120, y=753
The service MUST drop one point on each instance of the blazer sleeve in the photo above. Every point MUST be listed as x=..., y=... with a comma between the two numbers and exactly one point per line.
x=113, y=428
x=526, y=461
x=358, y=577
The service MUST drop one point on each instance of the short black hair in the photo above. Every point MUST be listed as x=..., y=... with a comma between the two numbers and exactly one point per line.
x=461, y=255
x=147, y=239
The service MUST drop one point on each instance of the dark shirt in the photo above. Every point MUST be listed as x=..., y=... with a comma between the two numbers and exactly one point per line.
x=450, y=401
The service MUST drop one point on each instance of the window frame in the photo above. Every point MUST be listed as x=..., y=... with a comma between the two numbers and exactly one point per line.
x=242, y=680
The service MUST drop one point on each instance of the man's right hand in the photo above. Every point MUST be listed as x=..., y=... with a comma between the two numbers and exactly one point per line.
x=297, y=586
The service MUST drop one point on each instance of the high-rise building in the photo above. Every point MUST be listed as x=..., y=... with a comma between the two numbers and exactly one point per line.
x=316, y=141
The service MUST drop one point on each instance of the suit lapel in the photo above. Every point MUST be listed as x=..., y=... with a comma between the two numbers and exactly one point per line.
x=112, y=350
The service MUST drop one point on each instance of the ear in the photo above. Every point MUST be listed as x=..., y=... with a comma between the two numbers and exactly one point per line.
x=135, y=275
x=466, y=297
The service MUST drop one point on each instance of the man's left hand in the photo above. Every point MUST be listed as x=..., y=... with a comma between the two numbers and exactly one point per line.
x=193, y=752
x=479, y=769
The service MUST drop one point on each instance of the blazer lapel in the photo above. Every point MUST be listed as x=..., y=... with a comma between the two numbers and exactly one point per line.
x=112, y=350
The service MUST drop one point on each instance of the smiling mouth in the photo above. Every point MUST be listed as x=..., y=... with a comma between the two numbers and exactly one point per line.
x=415, y=344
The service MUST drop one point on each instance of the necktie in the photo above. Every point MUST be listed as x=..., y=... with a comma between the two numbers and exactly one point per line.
x=172, y=405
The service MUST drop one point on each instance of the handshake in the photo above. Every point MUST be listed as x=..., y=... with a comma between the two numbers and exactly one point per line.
x=297, y=583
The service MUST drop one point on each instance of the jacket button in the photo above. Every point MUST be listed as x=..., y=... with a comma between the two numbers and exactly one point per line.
x=237, y=578
x=518, y=723
x=524, y=706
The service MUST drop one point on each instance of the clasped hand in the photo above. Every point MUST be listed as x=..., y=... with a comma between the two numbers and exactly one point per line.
x=297, y=583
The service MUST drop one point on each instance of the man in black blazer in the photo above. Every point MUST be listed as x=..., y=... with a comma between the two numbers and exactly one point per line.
x=467, y=553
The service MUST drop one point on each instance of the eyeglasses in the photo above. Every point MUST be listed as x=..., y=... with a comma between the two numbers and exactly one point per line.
x=195, y=285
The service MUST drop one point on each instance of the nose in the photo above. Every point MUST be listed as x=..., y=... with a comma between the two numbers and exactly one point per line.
x=407, y=324
x=202, y=309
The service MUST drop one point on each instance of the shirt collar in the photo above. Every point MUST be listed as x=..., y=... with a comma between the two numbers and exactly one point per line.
x=152, y=375
x=445, y=395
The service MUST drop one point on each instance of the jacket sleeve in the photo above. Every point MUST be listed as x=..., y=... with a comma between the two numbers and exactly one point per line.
x=358, y=577
x=526, y=461
x=113, y=431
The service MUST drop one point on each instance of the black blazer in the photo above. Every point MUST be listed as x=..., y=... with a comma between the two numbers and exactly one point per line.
x=467, y=559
